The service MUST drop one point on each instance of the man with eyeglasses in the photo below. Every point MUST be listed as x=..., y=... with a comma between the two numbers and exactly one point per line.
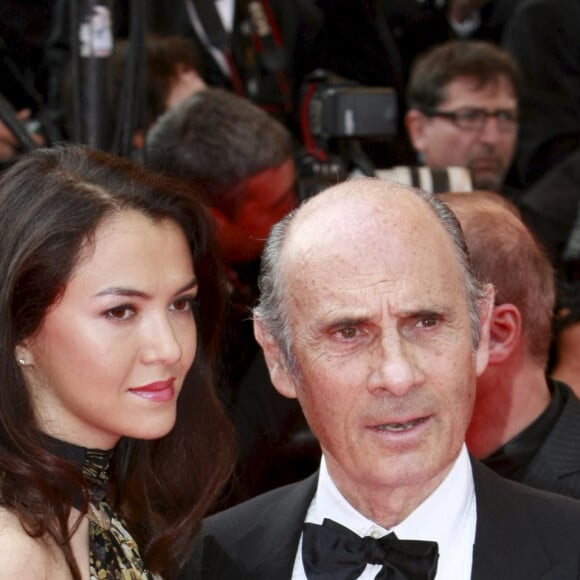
x=462, y=100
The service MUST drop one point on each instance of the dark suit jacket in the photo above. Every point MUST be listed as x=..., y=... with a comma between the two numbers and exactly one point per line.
x=300, y=24
x=550, y=207
x=521, y=534
x=556, y=465
x=543, y=36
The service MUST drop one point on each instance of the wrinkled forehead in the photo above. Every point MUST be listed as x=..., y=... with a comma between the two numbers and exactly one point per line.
x=365, y=231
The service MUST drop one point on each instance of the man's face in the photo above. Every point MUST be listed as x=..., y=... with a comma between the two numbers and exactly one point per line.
x=383, y=342
x=268, y=197
x=487, y=152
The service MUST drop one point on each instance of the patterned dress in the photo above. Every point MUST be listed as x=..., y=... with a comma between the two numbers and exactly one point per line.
x=113, y=553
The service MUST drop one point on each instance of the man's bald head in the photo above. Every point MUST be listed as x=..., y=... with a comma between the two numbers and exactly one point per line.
x=345, y=218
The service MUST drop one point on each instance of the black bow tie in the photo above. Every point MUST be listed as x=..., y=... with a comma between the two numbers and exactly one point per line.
x=333, y=552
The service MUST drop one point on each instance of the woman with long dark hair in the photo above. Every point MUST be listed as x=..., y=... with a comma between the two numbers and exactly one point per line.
x=113, y=444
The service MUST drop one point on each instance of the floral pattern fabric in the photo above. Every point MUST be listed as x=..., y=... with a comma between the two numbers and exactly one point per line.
x=113, y=553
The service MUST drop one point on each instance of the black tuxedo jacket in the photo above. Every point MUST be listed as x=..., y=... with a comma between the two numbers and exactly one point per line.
x=521, y=534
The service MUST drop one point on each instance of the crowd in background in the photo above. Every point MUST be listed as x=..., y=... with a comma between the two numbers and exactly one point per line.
x=223, y=107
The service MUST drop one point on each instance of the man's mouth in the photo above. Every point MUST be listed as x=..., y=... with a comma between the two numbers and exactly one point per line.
x=486, y=163
x=399, y=427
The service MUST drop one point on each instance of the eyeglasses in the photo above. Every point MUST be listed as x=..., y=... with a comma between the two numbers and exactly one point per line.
x=475, y=119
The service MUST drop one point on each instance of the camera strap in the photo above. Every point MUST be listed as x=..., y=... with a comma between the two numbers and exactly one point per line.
x=269, y=45
x=308, y=138
x=266, y=47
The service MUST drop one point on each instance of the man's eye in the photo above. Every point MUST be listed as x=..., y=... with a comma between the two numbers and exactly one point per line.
x=471, y=115
x=427, y=322
x=347, y=332
x=508, y=116
x=120, y=313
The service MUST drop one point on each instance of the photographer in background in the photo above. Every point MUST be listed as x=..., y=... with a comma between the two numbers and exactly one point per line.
x=241, y=159
x=462, y=101
x=173, y=73
x=258, y=49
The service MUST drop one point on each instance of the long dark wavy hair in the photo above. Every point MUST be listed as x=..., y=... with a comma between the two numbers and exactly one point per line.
x=51, y=203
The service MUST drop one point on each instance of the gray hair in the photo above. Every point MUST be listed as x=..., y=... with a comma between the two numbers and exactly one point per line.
x=271, y=310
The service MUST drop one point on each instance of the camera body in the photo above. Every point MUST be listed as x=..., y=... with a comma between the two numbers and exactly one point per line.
x=340, y=108
x=335, y=114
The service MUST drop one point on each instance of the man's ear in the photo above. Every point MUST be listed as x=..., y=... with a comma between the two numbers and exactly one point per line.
x=281, y=377
x=504, y=332
x=485, y=314
x=416, y=122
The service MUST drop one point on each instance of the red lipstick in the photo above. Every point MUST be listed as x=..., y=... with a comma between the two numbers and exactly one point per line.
x=157, y=392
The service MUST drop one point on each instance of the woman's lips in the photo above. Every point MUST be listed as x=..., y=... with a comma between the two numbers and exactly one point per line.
x=158, y=392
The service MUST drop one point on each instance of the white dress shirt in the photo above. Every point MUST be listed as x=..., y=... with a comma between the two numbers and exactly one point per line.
x=447, y=516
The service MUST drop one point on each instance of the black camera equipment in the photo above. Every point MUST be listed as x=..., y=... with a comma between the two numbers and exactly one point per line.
x=15, y=125
x=335, y=114
x=83, y=35
x=92, y=40
x=13, y=77
x=432, y=179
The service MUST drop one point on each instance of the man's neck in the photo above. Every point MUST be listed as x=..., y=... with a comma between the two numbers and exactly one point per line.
x=507, y=402
x=387, y=506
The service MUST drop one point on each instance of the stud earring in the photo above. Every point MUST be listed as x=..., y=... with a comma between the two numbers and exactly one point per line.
x=21, y=361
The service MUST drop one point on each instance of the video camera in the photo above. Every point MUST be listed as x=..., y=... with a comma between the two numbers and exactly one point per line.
x=335, y=114
x=341, y=108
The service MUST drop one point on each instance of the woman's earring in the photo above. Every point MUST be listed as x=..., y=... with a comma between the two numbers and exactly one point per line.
x=21, y=361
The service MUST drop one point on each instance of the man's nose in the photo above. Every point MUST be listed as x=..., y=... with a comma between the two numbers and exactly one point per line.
x=396, y=368
x=490, y=131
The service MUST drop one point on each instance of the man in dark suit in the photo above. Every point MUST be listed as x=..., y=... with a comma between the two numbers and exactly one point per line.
x=371, y=316
x=259, y=49
x=462, y=101
x=525, y=426
x=543, y=37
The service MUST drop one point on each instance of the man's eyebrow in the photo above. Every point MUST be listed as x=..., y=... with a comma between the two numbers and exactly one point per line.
x=133, y=293
x=350, y=320
x=425, y=312
x=346, y=320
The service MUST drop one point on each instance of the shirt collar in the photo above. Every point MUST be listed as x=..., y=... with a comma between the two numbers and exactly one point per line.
x=435, y=519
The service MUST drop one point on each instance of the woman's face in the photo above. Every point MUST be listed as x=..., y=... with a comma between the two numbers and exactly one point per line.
x=110, y=357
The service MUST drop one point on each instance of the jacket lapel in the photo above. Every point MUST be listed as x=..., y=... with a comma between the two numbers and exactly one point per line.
x=274, y=558
x=502, y=535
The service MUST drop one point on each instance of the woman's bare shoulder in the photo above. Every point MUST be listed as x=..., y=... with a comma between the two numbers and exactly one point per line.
x=26, y=558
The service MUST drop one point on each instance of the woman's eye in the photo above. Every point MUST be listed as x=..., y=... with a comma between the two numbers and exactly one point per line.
x=120, y=313
x=182, y=304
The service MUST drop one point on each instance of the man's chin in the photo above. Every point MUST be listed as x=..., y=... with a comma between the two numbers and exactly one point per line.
x=486, y=181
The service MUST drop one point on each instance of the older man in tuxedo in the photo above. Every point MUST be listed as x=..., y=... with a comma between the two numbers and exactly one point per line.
x=370, y=315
